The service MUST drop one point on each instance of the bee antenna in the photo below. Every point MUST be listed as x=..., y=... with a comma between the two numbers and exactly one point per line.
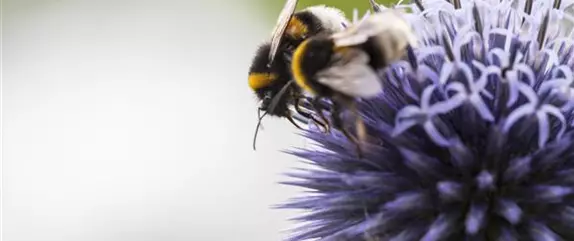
x=542, y=30
x=277, y=97
x=259, y=117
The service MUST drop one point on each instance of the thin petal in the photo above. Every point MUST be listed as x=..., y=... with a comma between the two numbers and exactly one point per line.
x=513, y=92
x=540, y=232
x=528, y=92
x=446, y=72
x=526, y=70
x=430, y=51
x=439, y=229
x=475, y=219
x=426, y=97
x=403, y=126
x=434, y=134
x=424, y=72
x=481, y=107
x=408, y=112
x=518, y=169
x=515, y=115
x=407, y=202
x=450, y=191
x=456, y=86
x=448, y=105
x=501, y=56
x=552, y=110
x=509, y=210
x=543, y=128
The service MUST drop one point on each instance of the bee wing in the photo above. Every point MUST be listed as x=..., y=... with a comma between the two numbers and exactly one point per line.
x=350, y=74
x=281, y=26
x=388, y=20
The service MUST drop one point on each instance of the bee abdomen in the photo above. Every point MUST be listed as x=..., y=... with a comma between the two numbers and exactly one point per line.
x=384, y=50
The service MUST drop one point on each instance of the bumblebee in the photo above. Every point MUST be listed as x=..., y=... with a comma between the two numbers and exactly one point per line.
x=270, y=73
x=343, y=66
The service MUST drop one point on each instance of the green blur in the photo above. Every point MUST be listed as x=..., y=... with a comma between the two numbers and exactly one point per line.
x=273, y=7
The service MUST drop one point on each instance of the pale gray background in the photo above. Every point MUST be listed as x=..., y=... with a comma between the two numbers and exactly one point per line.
x=132, y=120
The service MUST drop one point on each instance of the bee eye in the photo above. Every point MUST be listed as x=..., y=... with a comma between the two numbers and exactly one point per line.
x=266, y=101
x=268, y=96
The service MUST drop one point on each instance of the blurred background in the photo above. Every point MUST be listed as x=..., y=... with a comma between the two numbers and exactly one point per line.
x=132, y=120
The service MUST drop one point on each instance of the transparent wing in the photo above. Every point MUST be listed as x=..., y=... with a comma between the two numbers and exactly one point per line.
x=357, y=18
x=350, y=74
x=374, y=24
x=281, y=26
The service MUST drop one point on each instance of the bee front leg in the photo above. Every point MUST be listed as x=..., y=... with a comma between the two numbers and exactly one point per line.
x=293, y=122
x=338, y=124
x=289, y=117
x=360, y=128
x=315, y=103
x=324, y=126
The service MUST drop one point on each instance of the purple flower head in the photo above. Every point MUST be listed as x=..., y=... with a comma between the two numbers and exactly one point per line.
x=471, y=139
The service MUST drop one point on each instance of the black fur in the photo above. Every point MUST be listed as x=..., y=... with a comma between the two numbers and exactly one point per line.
x=280, y=68
x=376, y=60
x=316, y=57
x=289, y=43
x=313, y=24
x=292, y=96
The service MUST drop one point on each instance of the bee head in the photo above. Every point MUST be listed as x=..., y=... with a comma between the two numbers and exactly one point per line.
x=261, y=75
x=267, y=97
x=274, y=109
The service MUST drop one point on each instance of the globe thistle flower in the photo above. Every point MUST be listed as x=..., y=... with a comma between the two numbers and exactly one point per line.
x=471, y=139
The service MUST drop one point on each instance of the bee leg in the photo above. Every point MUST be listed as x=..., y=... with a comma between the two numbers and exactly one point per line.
x=290, y=118
x=310, y=116
x=338, y=124
x=317, y=106
x=324, y=126
x=360, y=128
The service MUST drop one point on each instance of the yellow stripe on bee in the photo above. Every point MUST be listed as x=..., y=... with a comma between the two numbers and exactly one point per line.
x=296, y=28
x=340, y=49
x=296, y=65
x=261, y=80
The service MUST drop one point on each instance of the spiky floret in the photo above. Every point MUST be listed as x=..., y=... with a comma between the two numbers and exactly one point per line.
x=472, y=138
